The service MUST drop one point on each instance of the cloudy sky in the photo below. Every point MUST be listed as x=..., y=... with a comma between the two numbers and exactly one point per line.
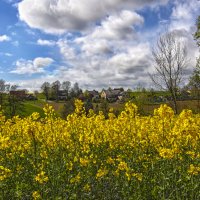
x=97, y=43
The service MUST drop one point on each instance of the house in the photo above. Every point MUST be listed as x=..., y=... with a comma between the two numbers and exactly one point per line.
x=62, y=95
x=21, y=94
x=94, y=94
x=30, y=97
x=113, y=95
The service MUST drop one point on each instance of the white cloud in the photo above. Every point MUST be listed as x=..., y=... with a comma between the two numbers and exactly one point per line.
x=32, y=66
x=112, y=30
x=66, y=49
x=4, y=38
x=42, y=62
x=183, y=14
x=98, y=70
x=182, y=23
x=46, y=42
x=108, y=54
x=118, y=26
x=15, y=43
x=59, y=16
x=6, y=54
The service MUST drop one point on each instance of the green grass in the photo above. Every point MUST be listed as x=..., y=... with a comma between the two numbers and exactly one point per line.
x=30, y=107
x=145, y=108
x=37, y=106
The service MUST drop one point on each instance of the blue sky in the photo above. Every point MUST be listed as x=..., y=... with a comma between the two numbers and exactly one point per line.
x=98, y=44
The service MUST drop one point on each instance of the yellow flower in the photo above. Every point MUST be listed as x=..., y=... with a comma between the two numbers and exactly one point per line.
x=4, y=173
x=138, y=176
x=122, y=166
x=44, y=154
x=110, y=160
x=101, y=172
x=84, y=162
x=87, y=187
x=69, y=166
x=41, y=177
x=194, y=170
x=76, y=179
x=166, y=153
x=36, y=195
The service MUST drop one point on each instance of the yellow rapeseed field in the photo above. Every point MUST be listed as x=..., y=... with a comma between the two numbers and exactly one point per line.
x=90, y=157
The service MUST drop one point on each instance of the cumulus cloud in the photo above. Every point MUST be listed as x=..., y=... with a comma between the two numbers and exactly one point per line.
x=4, y=38
x=183, y=14
x=46, y=42
x=67, y=49
x=113, y=29
x=59, y=16
x=42, y=62
x=32, y=66
x=118, y=26
x=182, y=23
x=100, y=70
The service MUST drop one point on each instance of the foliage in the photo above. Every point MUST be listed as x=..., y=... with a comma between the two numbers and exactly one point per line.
x=13, y=106
x=104, y=107
x=66, y=87
x=194, y=82
x=197, y=33
x=46, y=89
x=90, y=157
x=55, y=87
x=68, y=108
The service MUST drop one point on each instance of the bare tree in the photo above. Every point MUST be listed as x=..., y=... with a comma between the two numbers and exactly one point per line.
x=170, y=58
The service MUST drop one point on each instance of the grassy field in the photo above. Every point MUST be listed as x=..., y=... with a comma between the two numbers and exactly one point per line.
x=38, y=105
x=30, y=107
x=145, y=109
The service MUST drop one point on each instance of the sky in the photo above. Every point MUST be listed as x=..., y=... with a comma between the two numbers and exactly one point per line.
x=97, y=43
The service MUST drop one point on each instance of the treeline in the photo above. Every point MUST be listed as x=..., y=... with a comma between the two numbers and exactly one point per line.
x=10, y=104
x=60, y=91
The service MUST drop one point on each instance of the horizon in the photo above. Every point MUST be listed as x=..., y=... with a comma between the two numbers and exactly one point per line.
x=97, y=45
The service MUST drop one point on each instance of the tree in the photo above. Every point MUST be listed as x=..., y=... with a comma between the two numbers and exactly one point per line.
x=104, y=107
x=2, y=90
x=15, y=106
x=170, y=57
x=88, y=105
x=13, y=87
x=46, y=89
x=194, y=82
x=55, y=89
x=66, y=87
x=75, y=91
x=68, y=108
x=197, y=33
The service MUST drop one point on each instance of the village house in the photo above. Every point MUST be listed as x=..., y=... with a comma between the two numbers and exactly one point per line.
x=21, y=94
x=62, y=95
x=94, y=94
x=113, y=95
